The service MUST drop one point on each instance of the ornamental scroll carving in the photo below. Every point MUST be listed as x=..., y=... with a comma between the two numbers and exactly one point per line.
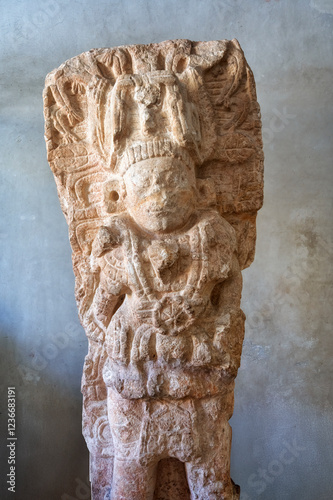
x=157, y=156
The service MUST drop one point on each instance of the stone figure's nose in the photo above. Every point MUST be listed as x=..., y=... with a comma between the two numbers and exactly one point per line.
x=157, y=183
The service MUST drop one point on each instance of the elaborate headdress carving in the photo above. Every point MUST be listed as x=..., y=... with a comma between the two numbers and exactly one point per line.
x=109, y=107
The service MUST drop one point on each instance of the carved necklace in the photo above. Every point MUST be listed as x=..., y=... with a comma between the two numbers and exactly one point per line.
x=175, y=311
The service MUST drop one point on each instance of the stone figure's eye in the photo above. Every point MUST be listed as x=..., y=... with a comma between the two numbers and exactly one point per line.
x=172, y=179
x=141, y=181
x=177, y=179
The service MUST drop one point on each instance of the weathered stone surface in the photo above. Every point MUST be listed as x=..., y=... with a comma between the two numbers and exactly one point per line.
x=157, y=155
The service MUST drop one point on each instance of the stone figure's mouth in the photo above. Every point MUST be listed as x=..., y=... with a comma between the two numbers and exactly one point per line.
x=160, y=210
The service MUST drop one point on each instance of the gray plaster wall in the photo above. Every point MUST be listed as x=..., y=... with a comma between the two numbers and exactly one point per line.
x=282, y=424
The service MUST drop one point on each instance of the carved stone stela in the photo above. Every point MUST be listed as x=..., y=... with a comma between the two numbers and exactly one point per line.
x=157, y=156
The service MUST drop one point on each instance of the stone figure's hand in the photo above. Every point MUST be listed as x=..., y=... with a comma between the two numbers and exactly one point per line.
x=105, y=240
x=93, y=330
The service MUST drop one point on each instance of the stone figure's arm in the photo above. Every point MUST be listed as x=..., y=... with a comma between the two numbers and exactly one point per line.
x=227, y=293
x=105, y=302
x=229, y=326
x=104, y=305
x=110, y=291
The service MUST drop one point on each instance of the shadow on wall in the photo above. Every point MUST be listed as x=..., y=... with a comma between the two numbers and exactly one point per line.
x=50, y=454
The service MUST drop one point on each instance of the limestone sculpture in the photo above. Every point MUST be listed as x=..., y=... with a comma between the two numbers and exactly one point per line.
x=157, y=156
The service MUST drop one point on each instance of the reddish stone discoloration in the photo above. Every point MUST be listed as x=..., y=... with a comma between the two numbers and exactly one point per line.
x=157, y=155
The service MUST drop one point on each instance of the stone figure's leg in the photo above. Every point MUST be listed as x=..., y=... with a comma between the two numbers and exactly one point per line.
x=133, y=481
x=134, y=470
x=209, y=476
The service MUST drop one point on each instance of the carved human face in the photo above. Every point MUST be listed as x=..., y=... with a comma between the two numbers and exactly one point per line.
x=160, y=193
